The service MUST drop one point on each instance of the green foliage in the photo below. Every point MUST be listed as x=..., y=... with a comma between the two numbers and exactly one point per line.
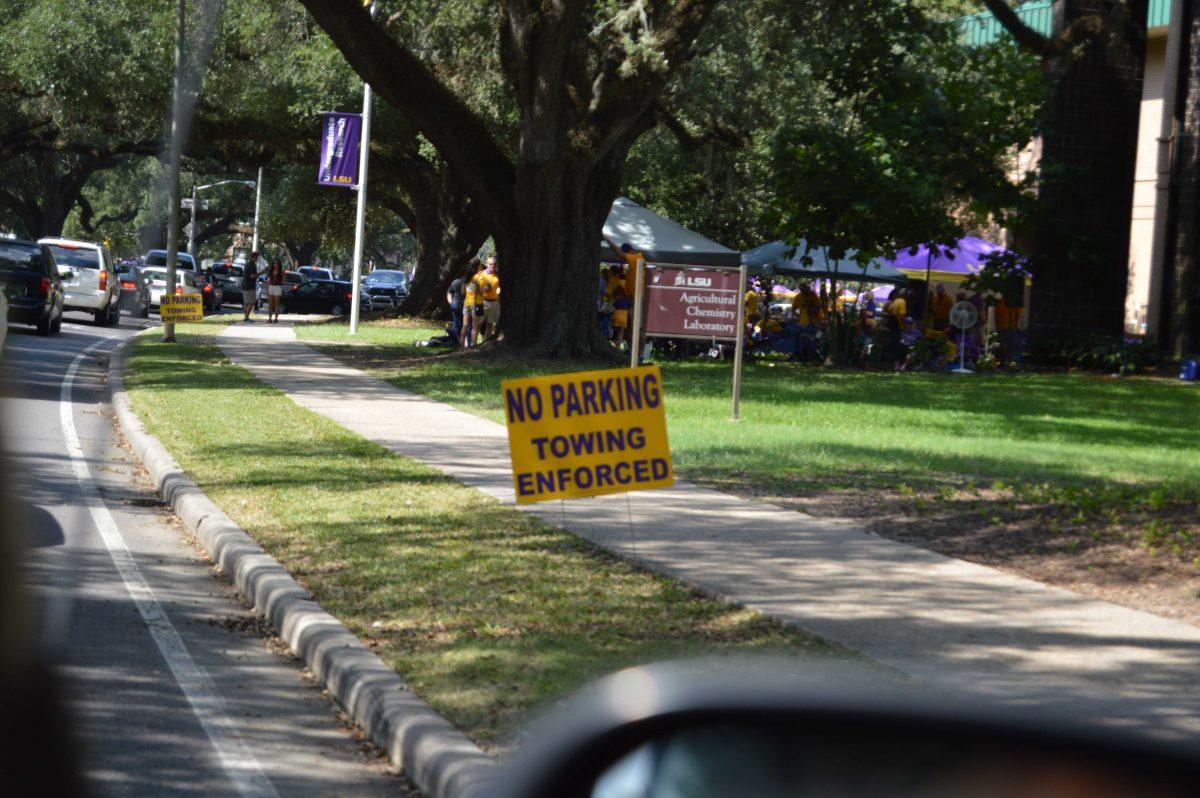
x=914, y=139
x=1109, y=353
x=1003, y=274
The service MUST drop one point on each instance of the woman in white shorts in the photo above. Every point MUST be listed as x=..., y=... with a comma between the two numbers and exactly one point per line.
x=274, y=289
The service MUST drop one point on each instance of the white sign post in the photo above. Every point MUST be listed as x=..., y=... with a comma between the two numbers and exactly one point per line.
x=360, y=220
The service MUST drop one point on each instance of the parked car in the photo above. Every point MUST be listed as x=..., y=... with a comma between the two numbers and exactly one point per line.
x=31, y=285
x=318, y=296
x=230, y=277
x=158, y=257
x=385, y=288
x=89, y=278
x=210, y=288
x=135, y=293
x=290, y=280
x=316, y=273
x=185, y=283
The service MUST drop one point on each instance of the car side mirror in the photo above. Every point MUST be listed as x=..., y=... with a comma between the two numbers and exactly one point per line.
x=678, y=731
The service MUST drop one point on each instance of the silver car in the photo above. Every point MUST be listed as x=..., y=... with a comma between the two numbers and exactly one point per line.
x=89, y=278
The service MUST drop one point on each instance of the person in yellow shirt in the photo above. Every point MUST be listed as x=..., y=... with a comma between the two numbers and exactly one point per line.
x=898, y=308
x=489, y=290
x=939, y=308
x=611, y=281
x=472, y=304
x=806, y=307
x=752, y=300
x=630, y=256
x=768, y=326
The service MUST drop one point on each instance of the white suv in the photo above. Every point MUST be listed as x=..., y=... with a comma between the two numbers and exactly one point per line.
x=89, y=278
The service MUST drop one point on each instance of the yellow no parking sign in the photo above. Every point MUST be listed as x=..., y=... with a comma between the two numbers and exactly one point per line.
x=588, y=433
x=185, y=307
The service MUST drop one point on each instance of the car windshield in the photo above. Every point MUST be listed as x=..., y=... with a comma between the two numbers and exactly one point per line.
x=154, y=273
x=75, y=257
x=391, y=278
x=19, y=257
x=182, y=261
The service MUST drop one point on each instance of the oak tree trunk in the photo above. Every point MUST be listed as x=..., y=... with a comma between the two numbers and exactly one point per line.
x=1181, y=284
x=1081, y=233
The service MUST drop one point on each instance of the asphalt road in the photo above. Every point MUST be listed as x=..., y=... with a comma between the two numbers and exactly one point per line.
x=173, y=687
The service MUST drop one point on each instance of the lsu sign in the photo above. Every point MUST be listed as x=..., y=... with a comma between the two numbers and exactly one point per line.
x=587, y=434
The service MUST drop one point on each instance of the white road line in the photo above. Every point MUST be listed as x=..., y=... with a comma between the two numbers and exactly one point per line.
x=240, y=765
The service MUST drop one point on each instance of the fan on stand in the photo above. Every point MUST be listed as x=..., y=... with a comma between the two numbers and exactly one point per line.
x=963, y=316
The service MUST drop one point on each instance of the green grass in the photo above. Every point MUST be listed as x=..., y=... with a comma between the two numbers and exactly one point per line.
x=1080, y=458
x=485, y=610
x=803, y=426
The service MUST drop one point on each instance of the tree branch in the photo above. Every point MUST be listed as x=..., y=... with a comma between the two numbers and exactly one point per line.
x=86, y=212
x=1088, y=27
x=1016, y=27
x=623, y=97
x=460, y=136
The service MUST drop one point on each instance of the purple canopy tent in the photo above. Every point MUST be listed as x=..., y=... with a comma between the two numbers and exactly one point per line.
x=954, y=264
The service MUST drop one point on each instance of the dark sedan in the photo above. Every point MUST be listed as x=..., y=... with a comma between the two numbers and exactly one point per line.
x=135, y=290
x=317, y=296
x=30, y=281
x=291, y=280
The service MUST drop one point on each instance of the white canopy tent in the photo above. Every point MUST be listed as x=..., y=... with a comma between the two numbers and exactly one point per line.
x=660, y=240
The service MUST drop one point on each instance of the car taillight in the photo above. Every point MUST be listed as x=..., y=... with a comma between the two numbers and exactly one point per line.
x=45, y=286
x=349, y=296
x=179, y=290
x=207, y=288
x=128, y=285
x=103, y=280
x=295, y=288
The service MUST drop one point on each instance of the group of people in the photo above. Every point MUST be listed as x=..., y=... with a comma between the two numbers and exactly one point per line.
x=274, y=279
x=474, y=300
x=910, y=328
x=616, y=292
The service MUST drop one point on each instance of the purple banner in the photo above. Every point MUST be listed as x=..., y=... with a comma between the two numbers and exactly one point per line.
x=340, y=137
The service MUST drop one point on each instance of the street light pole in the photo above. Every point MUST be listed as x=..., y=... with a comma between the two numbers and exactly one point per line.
x=360, y=221
x=174, y=157
x=196, y=200
x=257, y=206
x=192, y=228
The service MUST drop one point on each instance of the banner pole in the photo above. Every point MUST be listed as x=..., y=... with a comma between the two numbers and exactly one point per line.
x=635, y=339
x=257, y=207
x=360, y=221
x=741, y=338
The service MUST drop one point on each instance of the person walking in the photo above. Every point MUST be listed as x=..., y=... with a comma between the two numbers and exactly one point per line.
x=489, y=286
x=249, y=286
x=274, y=290
x=454, y=298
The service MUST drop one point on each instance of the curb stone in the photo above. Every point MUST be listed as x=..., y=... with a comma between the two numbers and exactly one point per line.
x=438, y=758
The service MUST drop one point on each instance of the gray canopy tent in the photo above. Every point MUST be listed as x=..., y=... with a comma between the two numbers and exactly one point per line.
x=660, y=240
x=778, y=258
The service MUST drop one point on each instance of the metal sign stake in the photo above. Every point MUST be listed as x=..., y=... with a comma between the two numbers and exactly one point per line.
x=741, y=338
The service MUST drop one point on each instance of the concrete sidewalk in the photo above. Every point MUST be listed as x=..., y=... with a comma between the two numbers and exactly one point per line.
x=954, y=625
